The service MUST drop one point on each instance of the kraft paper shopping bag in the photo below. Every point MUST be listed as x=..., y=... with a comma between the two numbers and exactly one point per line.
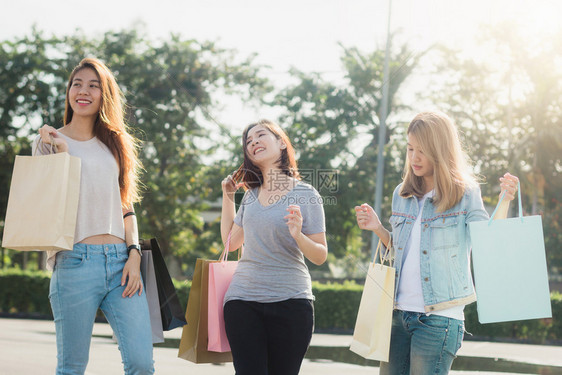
x=371, y=336
x=510, y=272
x=43, y=203
x=220, y=276
x=193, y=344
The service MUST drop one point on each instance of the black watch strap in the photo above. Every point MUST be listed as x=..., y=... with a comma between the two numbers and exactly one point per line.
x=135, y=247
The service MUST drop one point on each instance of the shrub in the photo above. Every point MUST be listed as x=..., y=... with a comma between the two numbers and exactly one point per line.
x=25, y=293
x=533, y=331
x=336, y=305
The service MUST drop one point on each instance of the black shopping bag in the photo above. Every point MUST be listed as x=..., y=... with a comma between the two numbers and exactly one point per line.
x=171, y=311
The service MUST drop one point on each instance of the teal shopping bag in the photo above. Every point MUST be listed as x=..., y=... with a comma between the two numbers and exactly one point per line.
x=510, y=272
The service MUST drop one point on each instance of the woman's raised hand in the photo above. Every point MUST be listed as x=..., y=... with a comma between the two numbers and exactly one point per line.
x=46, y=132
x=367, y=218
x=229, y=186
x=508, y=183
x=294, y=220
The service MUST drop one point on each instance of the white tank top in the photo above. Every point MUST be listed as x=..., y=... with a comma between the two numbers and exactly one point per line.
x=99, y=205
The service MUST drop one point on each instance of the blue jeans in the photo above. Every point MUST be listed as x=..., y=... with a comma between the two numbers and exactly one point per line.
x=421, y=344
x=88, y=278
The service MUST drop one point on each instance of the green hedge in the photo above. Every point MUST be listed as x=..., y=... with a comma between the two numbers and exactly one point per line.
x=26, y=294
x=336, y=306
x=533, y=331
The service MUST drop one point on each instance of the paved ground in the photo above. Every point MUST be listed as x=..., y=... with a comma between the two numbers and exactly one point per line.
x=28, y=347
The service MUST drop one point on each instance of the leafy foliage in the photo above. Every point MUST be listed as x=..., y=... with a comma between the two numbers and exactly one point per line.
x=334, y=126
x=509, y=107
x=170, y=88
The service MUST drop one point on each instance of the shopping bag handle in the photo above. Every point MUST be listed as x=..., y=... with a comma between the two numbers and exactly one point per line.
x=386, y=255
x=501, y=199
x=53, y=144
x=224, y=255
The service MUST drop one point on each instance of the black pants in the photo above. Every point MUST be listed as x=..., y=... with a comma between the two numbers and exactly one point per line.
x=269, y=338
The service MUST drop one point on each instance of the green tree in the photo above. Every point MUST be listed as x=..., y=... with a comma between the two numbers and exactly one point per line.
x=334, y=127
x=32, y=93
x=509, y=105
x=170, y=91
x=171, y=88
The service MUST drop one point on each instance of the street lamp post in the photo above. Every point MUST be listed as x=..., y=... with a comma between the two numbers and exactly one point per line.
x=382, y=132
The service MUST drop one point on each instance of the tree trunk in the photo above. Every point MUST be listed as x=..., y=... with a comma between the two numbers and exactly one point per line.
x=42, y=260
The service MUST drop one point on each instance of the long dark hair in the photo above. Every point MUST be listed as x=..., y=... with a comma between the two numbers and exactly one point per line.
x=250, y=173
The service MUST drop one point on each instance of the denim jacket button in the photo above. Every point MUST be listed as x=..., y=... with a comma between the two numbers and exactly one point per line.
x=426, y=279
x=425, y=252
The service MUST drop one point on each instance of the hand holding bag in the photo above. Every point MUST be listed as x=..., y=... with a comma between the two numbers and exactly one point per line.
x=371, y=336
x=43, y=203
x=220, y=276
x=510, y=272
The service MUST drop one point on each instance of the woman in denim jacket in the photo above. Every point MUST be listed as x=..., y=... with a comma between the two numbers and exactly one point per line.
x=431, y=210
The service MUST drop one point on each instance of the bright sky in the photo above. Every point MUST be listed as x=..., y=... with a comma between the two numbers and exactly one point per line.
x=299, y=33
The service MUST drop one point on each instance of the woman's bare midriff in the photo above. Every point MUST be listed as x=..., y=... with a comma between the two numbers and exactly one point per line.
x=101, y=239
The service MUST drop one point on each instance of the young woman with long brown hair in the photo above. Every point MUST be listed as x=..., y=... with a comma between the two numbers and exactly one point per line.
x=103, y=269
x=268, y=309
x=431, y=209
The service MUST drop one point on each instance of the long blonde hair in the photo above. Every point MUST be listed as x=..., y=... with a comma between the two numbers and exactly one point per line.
x=452, y=173
x=110, y=128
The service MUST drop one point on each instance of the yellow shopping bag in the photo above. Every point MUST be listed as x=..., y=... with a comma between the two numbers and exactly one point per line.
x=371, y=337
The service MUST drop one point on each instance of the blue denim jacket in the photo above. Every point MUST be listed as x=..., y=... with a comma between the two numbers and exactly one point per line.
x=444, y=250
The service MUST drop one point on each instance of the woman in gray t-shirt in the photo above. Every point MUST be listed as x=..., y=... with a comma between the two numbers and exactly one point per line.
x=268, y=309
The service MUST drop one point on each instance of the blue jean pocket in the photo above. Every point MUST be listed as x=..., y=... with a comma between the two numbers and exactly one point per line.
x=69, y=259
x=435, y=322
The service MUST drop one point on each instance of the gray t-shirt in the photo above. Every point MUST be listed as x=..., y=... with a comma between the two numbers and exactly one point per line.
x=272, y=268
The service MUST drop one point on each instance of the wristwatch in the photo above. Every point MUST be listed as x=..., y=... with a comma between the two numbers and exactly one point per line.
x=134, y=246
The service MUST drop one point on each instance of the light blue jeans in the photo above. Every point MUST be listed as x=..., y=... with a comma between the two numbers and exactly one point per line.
x=88, y=278
x=421, y=344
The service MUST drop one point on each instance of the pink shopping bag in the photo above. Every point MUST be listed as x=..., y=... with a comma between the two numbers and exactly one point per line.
x=220, y=276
